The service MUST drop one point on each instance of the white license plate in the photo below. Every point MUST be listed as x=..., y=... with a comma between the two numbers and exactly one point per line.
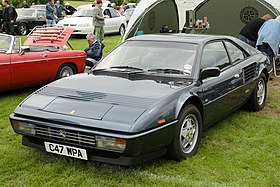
x=66, y=150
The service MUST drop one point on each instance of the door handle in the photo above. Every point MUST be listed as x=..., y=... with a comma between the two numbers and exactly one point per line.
x=44, y=55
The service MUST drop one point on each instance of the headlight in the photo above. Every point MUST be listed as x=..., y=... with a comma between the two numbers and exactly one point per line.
x=23, y=127
x=83, y=25
x=114, y=144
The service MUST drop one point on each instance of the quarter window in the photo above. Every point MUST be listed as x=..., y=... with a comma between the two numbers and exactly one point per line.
x=114, y=13
x=234, y=52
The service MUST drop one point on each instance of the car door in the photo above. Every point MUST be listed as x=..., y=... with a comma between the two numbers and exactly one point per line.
x=28, y=68
x=217, y=91
x=113, y=23
x=243, y=64
x=5, y=71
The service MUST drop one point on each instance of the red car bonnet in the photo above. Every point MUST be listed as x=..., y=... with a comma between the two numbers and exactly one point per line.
x=49, y=36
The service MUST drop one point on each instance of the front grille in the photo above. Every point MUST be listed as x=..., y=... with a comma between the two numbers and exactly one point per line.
x=64, y=135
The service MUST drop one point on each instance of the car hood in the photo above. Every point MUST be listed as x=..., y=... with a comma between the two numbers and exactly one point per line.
x=101, y=98
x=75, y=21
x=49, y=36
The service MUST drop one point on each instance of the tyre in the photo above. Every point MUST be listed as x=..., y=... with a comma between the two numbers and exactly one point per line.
x=23, y=29
x=65, y=70
x=122, y=30
x=257, y=100
x=187, y=135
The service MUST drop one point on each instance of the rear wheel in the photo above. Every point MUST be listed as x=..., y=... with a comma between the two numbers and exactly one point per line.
x=257, y=100
x=65, y=70
x=122, y=30
x=23, y=29
x=187, y=134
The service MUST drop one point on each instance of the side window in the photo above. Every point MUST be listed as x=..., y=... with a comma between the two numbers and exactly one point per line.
x=41, y=14
x=114, y=13
x=235, y=54
x=214, y=55
x=107, y=13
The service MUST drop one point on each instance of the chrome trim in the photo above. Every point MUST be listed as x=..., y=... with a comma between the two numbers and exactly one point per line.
x=47, y=59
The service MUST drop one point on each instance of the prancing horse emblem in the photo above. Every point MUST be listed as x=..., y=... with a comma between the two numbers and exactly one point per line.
x=62, y=133
x=72, y=112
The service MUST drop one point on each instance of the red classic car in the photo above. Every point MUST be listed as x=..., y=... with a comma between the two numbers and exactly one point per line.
x=42, y=59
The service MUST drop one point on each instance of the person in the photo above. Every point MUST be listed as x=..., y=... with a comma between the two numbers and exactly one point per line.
x=25, y=5
x=69, y=9
x=59, y=9
x=1, y=17
x=269, y=38
x=94, y=50
x=9, y=17
x=50, y=14
x=249, y=33
x=98, y=21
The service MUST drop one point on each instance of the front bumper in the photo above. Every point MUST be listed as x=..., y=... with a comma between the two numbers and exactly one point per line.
x=140, y=147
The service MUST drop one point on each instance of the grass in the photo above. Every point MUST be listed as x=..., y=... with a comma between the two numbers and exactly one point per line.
x=241, y=150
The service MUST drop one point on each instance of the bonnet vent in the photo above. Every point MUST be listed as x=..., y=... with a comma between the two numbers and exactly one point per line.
x=115, y=99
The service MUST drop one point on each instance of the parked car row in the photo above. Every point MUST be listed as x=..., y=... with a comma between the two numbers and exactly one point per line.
x=81, y=20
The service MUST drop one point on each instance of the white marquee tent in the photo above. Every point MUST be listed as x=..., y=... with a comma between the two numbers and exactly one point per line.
x=225, y=16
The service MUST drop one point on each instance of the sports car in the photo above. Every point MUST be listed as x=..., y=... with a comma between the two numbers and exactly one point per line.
x=151, y=96
x=42, y=59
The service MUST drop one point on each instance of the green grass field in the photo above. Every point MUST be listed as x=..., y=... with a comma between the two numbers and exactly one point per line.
x=241, y=150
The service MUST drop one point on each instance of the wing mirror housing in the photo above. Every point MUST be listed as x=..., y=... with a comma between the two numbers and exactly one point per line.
x=210, y=72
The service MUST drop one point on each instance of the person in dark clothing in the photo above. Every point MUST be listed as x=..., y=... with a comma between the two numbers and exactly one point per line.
x=69, y=9
x=59, y=9
x=9, y=17
x=25, y=5
x=93, y=51
x=1, y=17
x=249, y=33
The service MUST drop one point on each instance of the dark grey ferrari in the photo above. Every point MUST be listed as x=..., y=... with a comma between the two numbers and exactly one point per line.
x=151, y=96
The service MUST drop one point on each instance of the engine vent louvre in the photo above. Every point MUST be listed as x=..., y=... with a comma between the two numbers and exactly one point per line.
x=249, y=72
x=97, y=96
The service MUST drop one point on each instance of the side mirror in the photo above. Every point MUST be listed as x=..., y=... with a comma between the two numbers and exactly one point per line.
x=210, y=72
x=22, y=52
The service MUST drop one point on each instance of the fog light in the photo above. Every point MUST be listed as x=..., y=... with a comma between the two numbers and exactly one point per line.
x=108, y=143
x=22, y=127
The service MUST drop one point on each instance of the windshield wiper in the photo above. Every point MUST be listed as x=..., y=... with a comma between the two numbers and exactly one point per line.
x=168, y=70
x=127, y=67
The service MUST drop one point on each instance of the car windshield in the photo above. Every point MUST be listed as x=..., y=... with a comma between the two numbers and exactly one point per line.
x=24, y=12
x=83, y=13
x=150, y=56
x=128, y=12
x=5, y=43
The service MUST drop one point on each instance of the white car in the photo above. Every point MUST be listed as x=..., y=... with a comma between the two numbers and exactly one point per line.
x=82, y=21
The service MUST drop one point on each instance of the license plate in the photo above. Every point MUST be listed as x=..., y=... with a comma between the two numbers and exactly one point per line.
x=66, y=150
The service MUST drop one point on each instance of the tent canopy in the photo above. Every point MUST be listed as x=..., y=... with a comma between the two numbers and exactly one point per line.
x=225, y=16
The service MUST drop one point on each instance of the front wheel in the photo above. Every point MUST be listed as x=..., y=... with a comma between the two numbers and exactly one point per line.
x=122, y=30
x=187, y=134
x=257, y=100
x=65, y=70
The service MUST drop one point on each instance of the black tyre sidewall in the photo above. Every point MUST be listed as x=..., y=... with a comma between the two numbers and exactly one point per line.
x=253, y=104
x=174, y=150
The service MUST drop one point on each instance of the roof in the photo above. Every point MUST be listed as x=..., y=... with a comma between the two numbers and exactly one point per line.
x=181, y=37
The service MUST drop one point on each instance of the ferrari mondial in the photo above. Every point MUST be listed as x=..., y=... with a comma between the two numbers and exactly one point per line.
x=151, y=96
